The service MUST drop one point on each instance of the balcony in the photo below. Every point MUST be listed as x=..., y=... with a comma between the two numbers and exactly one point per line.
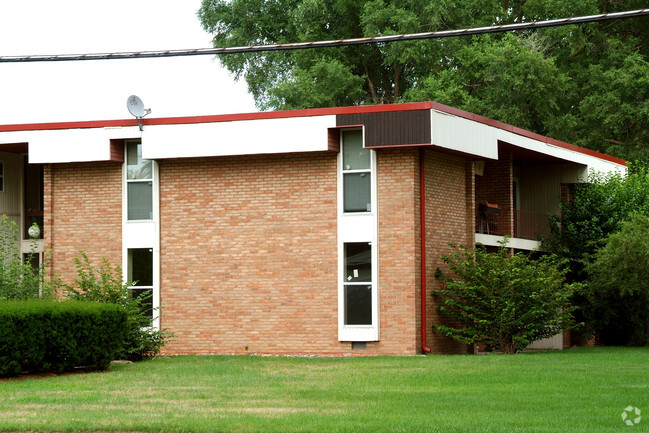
x=496, y=221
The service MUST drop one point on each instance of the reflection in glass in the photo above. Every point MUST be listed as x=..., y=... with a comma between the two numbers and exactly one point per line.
x=136, y=167
x=355, y=156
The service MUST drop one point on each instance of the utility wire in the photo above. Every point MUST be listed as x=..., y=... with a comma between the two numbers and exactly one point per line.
x=331, y=43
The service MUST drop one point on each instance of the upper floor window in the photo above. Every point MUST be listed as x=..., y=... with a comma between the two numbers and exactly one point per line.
x=2, y=177
x=357, y=172
x=139, y=183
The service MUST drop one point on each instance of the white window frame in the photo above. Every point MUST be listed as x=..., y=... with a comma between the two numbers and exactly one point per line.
x=139, y=287
x=356, y=171
x=143, y=233
x=131, y=181
x=358, y=227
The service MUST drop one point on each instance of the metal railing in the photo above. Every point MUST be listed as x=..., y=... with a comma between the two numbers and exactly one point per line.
x=515, y=223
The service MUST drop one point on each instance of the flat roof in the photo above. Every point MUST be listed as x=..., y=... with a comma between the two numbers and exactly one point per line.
x=308, y=113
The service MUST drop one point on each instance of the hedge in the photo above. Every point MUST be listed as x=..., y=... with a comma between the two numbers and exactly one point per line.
x=47, y=336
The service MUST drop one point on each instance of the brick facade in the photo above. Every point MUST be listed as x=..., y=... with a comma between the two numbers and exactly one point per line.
x=248, y=246
x=449, y=183
x=82, y=212
x=398, y=187
x=249, y=254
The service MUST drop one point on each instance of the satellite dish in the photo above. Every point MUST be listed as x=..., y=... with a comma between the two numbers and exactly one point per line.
x=136, y=108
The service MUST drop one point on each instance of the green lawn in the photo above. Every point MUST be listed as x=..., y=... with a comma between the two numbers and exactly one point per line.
x=580, y=390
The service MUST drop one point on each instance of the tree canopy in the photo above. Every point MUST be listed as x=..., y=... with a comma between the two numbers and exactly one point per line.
x=587, y=84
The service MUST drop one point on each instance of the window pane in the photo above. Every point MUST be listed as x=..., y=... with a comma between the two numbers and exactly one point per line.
x=140, y=200
x=358, y=262
x=358, y=305
x=355, y=157
x=357, y=189
x=146, y=300
x=136, y=167
x=140, y=266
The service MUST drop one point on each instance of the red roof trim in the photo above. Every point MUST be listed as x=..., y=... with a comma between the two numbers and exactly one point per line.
x=307, y=113
x=523, y=132
x=220, y=117
x=68, y=125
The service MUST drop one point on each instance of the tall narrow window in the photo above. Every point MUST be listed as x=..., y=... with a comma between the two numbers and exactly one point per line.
x=140, y=275
x=2, y=176
x=139, y=183
x=357, y=171
x=358, y=283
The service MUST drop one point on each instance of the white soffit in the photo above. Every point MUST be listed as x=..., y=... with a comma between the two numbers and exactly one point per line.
x=72, y=145
x=475, y=138
x=592, y=162
x=245, y=137
x=463, y=135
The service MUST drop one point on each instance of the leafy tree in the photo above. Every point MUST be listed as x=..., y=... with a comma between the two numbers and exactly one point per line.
x=586, y=84
x=505, y=300
x=105, y=284
x=618, y=283
x=586, y=224
x=594, y=212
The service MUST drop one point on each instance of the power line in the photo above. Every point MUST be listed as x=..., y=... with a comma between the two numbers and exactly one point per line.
x=323, y=44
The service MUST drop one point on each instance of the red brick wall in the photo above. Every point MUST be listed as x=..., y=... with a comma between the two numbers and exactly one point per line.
x=249, y=254
x=249, y=251
x=263, y=272
x=398, y=187
x=83, y=212
x=448, y=189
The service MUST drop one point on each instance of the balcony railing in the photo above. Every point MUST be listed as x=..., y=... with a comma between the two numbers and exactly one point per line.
x=526, y=225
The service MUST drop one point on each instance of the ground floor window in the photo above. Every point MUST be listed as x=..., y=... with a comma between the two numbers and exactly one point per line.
x=140, y=275
x=358, y=283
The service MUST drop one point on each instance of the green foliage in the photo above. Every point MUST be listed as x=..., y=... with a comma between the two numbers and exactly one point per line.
x=585, y=84
x=505, y=300
x=47, y=336
x=18, y=279
x=105, y=284
x=595, y=212
x=619, y=284
x=587, y=224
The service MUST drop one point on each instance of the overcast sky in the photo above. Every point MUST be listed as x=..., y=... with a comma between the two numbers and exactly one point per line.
x=97, y=90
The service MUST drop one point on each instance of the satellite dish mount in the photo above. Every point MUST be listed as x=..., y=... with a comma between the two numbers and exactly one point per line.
x=136, y=108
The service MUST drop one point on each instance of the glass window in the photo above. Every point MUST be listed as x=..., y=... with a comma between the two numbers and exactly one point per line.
x=357, y=188
x=2, y=177
x=358, y=293
x=355, y=156
x=140, y=275
x=139, y=179
x=140, y=200
x=357, y=173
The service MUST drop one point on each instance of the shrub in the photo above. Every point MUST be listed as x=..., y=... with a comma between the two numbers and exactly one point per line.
x=105, y=284
x=618, y=284
x=47, y=336
x=595, y=213
x=18, y=279
x=504, y=300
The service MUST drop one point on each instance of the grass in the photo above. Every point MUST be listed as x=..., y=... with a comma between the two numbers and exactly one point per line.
x=577, y=390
